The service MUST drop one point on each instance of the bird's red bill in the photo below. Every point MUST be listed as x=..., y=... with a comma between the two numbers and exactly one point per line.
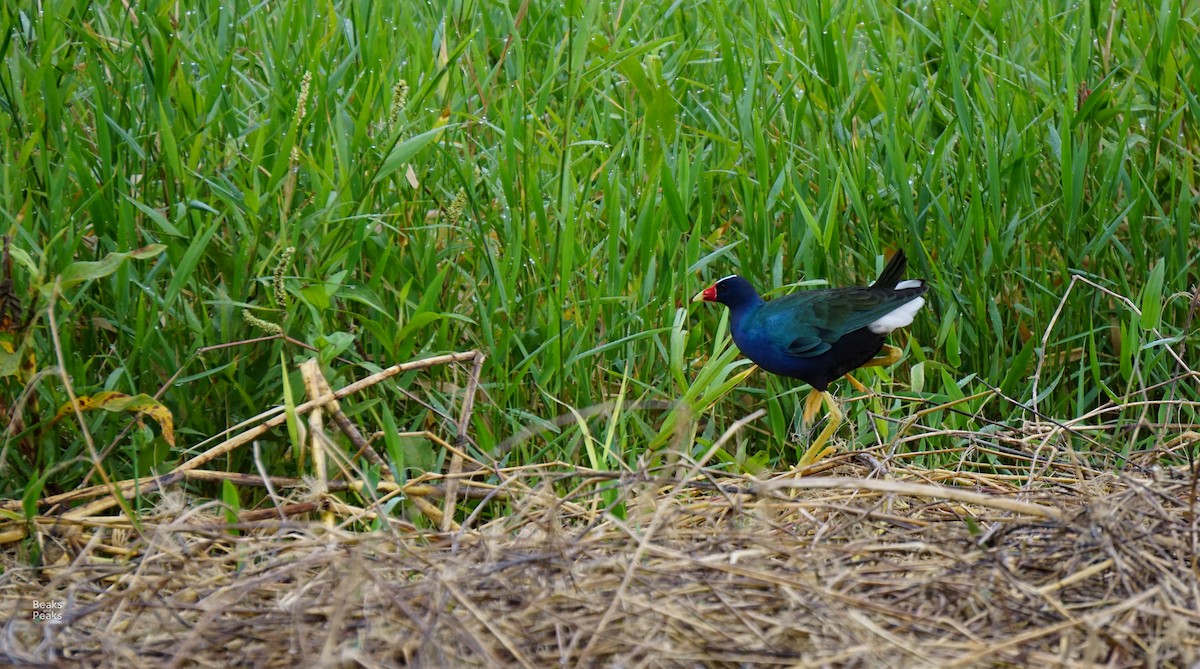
x=707, y=295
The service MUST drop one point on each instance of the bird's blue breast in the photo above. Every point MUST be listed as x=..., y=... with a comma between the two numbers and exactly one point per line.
x=767, y=348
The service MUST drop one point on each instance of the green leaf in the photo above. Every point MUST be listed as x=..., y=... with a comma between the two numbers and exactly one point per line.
x=202, y=206
x=757, y=464
x=391, y=441
x=678, y=344
x=1129, y=343
x=714, y=381
x=320, y=295
x=316, y=296
x=233, y=504
x=363, y=295
x=403, y=152
x=157, y=217
x=715, y=255
x=811, y=222
x=289, y=408
x=418, y=320
x=972, y=526
x=10, y=362
x=191, y=258
x=1151, y=302
x=33, y=492
x=1018, y=368
x=953, y=355
x=917, y=377
x=22, y=258
x=332, y=345
x=1094, y=367
x=78, y=272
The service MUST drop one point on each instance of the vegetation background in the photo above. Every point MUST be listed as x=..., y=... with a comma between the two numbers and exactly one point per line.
x=550, y=183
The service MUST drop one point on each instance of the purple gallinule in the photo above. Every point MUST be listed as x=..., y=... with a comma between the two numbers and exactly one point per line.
x=818, y=336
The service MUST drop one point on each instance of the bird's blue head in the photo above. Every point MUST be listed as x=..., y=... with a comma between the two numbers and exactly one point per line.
x=733, y=291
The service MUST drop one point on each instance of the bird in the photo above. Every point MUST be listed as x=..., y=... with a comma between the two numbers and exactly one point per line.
x=818, y=336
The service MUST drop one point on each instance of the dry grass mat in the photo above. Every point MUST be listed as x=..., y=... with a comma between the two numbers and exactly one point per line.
x=861, y=567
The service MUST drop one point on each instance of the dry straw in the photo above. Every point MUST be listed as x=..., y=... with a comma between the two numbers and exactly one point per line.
x=861, y=562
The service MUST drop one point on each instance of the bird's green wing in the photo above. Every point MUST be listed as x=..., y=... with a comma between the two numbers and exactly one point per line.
x=808, y=323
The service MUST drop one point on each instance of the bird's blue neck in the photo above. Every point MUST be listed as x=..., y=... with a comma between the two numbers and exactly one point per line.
x=739, y=312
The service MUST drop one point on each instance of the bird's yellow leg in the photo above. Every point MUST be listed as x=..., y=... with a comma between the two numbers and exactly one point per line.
x=857, y=384
x=818, y=450
x=812, y=404
x=890, y=356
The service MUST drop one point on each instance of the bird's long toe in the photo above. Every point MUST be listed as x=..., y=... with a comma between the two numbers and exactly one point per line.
x=812, y=405
x=820, y=449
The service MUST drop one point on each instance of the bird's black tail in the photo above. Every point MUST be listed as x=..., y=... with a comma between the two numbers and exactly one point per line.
x=893, y=272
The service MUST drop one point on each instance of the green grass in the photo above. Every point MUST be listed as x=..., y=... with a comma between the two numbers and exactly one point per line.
x=608, y=160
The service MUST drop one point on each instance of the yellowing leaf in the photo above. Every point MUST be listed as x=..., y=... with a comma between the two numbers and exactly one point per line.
x=17, y=356
x=120, y=402
x=440, y=125
x=443, y=59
